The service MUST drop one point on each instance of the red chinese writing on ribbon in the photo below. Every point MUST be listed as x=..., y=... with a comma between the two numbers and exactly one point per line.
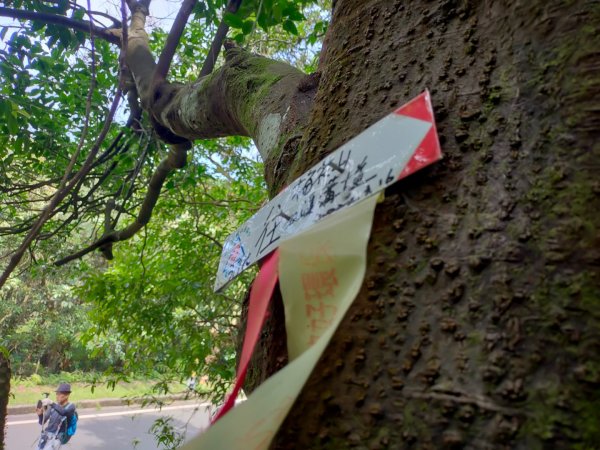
x=319, y=283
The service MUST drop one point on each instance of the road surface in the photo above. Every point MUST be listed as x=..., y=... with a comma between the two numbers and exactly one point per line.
x=114, y=428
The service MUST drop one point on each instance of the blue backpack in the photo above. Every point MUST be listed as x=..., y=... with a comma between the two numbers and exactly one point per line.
x=70, y=429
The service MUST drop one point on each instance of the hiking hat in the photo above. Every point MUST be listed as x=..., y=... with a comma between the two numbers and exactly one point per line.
x=64, y=387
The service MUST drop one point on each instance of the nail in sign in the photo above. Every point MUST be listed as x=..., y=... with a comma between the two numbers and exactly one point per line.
x=394, y=147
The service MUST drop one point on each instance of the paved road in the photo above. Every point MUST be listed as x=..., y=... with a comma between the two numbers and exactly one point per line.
x=115, y=428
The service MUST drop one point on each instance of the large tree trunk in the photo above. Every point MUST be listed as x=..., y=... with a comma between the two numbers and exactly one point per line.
x=477, y=325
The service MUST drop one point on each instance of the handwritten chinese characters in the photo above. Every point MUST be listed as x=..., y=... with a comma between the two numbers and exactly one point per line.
x=360, y=168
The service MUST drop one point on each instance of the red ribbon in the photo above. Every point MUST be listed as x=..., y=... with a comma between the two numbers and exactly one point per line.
x=260, y=296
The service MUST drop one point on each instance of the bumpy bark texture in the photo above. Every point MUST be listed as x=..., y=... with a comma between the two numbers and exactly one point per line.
x=478, y=323
x=4, y=392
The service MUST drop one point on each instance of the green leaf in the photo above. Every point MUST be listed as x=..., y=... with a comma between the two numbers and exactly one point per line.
x=277, y=13
x=78, y=14
x=290, y=27
x=5, y=107
x=262, y=21
x=200, y=10
x=37, y=25
x=294, y=14
x=233, y=20
x=12, y=124
x=66, y=37
x=239, y=38
x=247, y=26
x=16, y=110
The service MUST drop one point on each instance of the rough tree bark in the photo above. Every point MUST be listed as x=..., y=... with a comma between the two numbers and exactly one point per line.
x=478, y=323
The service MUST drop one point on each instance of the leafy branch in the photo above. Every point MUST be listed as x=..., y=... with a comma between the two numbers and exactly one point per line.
x=56, y=19
x=67, y=184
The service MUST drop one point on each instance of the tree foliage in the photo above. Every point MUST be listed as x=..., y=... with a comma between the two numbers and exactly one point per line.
x=41, y=325
x=57, y=86
x=157, y=296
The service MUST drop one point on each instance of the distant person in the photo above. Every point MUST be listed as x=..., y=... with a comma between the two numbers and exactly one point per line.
x=192, y=382
x=58, y=419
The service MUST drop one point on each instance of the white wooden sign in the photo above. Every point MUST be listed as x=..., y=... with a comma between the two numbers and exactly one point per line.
x=392, y=148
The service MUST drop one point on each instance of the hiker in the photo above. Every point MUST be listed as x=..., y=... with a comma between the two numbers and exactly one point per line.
x=58, y=417
x=191, y=382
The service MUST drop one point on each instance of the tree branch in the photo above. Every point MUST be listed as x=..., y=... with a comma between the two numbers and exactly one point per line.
x=217, y=43
x=175, y=160
x=129, y=191
x=210, y=238
x=166, y=56
x=248, y=96
x=78, y=25
x=61, y=194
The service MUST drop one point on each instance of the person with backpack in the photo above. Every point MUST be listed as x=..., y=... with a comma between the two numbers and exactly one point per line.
x=58, y=419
